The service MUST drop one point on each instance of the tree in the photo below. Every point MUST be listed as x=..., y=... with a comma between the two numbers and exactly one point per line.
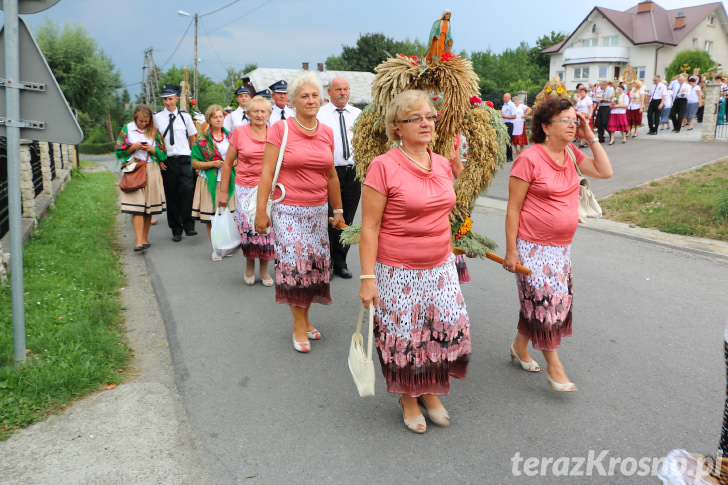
x=693, y=58
x=544, y=42
x=210, y=92
x=87, y=77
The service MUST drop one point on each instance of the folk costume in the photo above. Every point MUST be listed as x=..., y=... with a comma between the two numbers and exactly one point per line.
x=207, y=149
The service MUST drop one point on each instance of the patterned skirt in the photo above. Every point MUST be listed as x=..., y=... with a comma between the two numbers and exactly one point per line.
x=148, y=200
x=303, y=259
x=634, y=117
x=260, y=246
x=421, y=328
x=546, y=295
x=521, y=139
x=203, y=207
x=618, y=122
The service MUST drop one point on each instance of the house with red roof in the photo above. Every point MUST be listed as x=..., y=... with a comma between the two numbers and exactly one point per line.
x=646, y=37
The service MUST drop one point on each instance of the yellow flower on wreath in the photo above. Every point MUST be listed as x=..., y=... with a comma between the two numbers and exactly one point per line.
x=559, y=90
x=548, y=90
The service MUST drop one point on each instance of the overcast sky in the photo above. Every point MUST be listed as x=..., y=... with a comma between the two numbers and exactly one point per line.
x=285, y=33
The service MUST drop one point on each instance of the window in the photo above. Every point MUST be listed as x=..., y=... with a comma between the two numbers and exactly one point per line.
x=695, y=42
x=581, y=73
x=640, y=70
x=591, y=42
x=610, y=41
x=602, y=72
x=711, y=20
x=561, y=75
x=708, y=46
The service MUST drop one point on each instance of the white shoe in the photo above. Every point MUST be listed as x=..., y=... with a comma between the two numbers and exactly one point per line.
x=555, y=386
x=528, y=366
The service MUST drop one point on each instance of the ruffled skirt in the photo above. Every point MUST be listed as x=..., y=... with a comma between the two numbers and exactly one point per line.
x=421, y=328
x=255, y=246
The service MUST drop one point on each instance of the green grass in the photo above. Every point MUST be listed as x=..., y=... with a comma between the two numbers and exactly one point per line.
x=74, y=335
x=693, y=203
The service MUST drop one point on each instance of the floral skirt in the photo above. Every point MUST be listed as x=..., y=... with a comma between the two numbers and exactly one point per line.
x=618, y=122
x=546, y=295
x=421, y=328
x=260, y=246
x=521, y=139
x=147, y=200
x=303, y=259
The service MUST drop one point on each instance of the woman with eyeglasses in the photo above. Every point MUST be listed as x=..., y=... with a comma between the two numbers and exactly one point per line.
x=541, y=218
x=422, y=330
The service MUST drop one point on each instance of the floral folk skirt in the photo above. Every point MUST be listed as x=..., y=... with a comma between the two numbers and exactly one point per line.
x=521, y=139
x=147, y=200
x=303, y=259
x=421, y=328
x=546, y=295
x=260, y=246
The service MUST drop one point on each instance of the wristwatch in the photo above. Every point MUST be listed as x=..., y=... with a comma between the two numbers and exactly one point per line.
x=593, y=140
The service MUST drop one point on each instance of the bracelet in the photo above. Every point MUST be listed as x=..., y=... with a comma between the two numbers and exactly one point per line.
x=593, y=140
x=367, y=277
x=338, y=211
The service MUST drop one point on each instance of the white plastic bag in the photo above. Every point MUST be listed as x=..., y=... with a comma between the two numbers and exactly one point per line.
x=224, y=233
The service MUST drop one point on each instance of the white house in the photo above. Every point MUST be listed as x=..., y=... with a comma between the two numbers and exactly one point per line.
x=645, y=36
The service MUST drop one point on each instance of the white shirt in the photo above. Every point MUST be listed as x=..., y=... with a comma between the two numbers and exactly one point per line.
x=657, y=91
x=235, y=119
x=508, y=109
x=674, y=86
x=276, y=114
x=134, y=135
x=694, y=94
x=683, y=91
x=182, y=129
x=667, y=99
x=583, y=105
x=607, y=96
x=330, y=117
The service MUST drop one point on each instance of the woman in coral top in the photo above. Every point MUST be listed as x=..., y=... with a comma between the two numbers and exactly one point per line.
x=247, y=145
x=422, y=331
x=541, y=219
x=303, y=261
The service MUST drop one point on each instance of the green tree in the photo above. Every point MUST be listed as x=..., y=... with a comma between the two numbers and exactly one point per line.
x=87, y=77
x=210, y=91
x=693, y=58
x=542, y=61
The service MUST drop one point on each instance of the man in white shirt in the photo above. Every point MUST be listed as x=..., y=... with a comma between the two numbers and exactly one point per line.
x=341, y=116
x=509, y=114
x=281, y=110
x=656, y=94
x=238, y=117
x=680, y=105
x=179, y=134
x=605, y=109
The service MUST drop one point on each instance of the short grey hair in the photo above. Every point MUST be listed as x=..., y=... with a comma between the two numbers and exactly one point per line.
x=298, y=82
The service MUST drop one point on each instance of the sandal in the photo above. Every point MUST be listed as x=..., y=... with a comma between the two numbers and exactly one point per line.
x=438, y=416
x=302, y=347
x=315, y=335
x=416, y=425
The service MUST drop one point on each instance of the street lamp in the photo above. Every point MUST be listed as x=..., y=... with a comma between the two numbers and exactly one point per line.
x=194, y=78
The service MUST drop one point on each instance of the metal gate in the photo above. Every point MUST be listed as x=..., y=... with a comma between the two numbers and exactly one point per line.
x=721, y=126
x=35, y=166
x=4, y=214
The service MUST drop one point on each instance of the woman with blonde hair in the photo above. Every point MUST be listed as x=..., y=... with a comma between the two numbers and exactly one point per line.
x=247, y=144
x=208, y=156
x=303, y=262
x=635, y=108
x=140, y=142
x=422, y=330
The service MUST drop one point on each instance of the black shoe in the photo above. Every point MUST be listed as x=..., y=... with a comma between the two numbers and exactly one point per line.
x=139, y=249
x=147, y=245
x=176, y=237
x=191, y=232
x=343, y=272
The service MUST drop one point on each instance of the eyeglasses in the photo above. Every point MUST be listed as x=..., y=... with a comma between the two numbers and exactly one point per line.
x=418, y=119
x=567, y=122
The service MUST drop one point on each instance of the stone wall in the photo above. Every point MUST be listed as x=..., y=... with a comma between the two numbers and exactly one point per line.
x=710, y=112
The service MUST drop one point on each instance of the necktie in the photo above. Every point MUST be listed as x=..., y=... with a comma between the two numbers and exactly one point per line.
x=283, y=113
x=344, y=138
x=245, y=117
x=171, y=128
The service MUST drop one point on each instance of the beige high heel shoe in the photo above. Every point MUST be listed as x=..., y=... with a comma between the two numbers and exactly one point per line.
x=558, y=387
x=416, y=425
x=438, y=416
x=528, y=366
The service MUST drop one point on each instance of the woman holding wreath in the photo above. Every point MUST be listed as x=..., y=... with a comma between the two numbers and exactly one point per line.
x=422, y=331
x=303, y=264
x=541, y=218
x=139, y=141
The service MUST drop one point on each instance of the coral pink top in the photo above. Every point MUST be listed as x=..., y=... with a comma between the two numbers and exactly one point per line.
x=307, y=161
x=250, y=156
x=415, y=229
x=550, y=210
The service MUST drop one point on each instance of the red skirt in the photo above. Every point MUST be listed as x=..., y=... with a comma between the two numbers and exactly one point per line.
x=634, y=117
x=618, y=122
x=521, y=139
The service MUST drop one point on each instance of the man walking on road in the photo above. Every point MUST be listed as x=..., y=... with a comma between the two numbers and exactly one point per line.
x=179, y=134
x=509, y=114
x=680, y=105
x=340, y=116
x=605, y=109
x=656, y=94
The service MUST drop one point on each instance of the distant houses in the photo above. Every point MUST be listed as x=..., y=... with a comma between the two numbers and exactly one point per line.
x=646, y=36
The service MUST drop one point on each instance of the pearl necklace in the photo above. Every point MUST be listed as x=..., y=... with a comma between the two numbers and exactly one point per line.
x=309, y=129
x=426, y=169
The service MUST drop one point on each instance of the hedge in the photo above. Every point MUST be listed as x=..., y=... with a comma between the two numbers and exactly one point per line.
x=96, y=148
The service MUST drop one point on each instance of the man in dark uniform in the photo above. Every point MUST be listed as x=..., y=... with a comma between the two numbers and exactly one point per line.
x=281, y=110
x=179, y=133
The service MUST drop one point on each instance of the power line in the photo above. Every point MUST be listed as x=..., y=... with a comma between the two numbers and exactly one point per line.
x=178, y=44
x=209, y=41
x=246, y=13
x=221, y=8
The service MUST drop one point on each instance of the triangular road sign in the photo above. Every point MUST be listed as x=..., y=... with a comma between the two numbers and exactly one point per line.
x=43, y=104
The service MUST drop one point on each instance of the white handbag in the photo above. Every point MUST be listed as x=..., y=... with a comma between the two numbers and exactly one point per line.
x=249, y=204
x=361, y=365
x=588, y=205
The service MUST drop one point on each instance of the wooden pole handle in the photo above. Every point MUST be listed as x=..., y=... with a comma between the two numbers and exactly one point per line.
x=498, y=259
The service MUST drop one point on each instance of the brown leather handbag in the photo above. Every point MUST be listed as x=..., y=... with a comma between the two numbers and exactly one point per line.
x=135, y=176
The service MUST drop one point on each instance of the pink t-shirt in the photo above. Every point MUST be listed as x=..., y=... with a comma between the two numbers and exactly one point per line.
x=307, y=161
x=550, y=210
x=415, y=229
x=250, y=156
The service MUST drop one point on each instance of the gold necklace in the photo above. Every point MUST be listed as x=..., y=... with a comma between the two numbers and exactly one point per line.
x=309, y=129
x=426, y=169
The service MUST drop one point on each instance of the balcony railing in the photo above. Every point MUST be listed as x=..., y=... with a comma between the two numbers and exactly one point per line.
x=588, y=55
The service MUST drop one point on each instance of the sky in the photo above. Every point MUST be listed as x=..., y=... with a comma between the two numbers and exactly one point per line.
x=286, y=33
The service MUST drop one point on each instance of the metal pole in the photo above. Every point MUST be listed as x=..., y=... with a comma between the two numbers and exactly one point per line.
x=12, y=101
x=194, y=81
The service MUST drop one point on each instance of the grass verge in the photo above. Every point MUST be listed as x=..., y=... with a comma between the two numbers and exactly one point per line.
x=694, y=203
x=74, y=335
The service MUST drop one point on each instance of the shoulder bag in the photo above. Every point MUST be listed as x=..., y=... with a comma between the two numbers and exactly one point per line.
x=249, y=204
x=361, y=364
x=134, y=176
x=588, y=205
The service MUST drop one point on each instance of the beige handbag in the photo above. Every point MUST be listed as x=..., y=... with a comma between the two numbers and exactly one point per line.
x=588, y=205
x=361, y=365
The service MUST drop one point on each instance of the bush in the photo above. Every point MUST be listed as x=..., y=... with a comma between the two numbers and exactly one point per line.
x=96, y=148
x=693, y=58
